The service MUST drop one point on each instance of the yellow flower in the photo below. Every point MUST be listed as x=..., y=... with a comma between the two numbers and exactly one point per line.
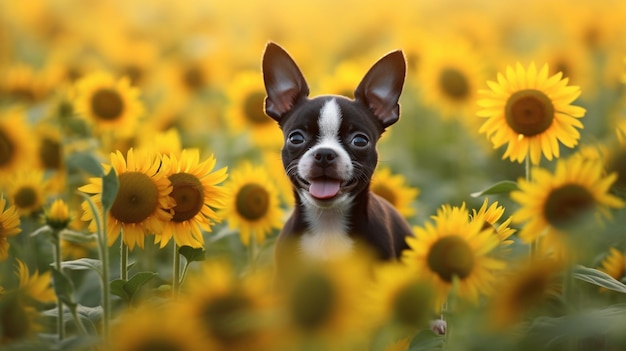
x=58, y=216
x=152, y=327
x=531, y=112
x=553, y=204
x=142, y=203
x=16, y=148
x=27, y=190
x=197, y=195
x=454, y=249
x=490, y=217
x=324, y=303
x=225, y=310
x=614, y=264
x=253, y=206
x=523, y=291
x=394, y=189
x=37, y=287
x=449, y=76
x=246, y=114
x=111, y=105
x=9, y=226
x=399, y=297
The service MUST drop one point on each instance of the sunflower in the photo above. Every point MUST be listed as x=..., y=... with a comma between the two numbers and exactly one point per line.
x=142, y=203
x=152, y=327
x=344, y=79
x=401, y=298
x=394, y=189
x=523, y=291
x=58, y=215
x=454, y=249
x=324, y=303
x=553, y=204
x=245, y=113
x=165, y=142
x=253, y=206
x=27, y=190
x=9, y=226
x=227, y=311
x=614, y=264
x=22, y=83
x=530, y=111
x=490, y=217
x=197, y=194
x=449, y=75
x=16, y=150
x=36, y=287
x=111, y=105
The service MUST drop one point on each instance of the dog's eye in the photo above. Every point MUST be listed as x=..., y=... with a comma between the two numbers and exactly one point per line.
x=296, y=138
x=360, y=140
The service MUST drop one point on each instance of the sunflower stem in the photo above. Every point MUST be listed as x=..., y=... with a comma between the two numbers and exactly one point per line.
x=533, y=247
x=57, y=257
x=176, y=271
x=106, y=289
x=123, y=259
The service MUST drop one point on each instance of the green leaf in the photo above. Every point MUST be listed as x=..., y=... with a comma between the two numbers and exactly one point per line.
x=78, y=237
x=127, y=289
x=503, y=187
x=63, y=288
x=117, y=289
x=192, y=254
x=137, y=281
x=599, y=278
x=426, y=340
x=85, y=161
x=110, y=186
x=82, y=264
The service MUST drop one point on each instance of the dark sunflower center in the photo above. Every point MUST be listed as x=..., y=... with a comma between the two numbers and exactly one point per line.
x=530, y=290
x=454, y=83
x=252, y=202
x=253, y=108
x=193, y=78
x=189, y=195
x=411, y=304
x=157, y=344
x=25, y=197
x=568, y=205
x=312, y=300
x=136, y=199
x=50, y=153
x=227, y=318
x=7, y=149
x=451, y=256
x=529, y=112
x=616, y=163
x=386, y=193
x=107, y=104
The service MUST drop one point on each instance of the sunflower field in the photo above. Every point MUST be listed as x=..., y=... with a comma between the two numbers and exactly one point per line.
x=142, y=191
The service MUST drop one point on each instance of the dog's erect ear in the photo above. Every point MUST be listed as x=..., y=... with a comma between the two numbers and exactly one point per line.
x=284, y=83
x=381, y=87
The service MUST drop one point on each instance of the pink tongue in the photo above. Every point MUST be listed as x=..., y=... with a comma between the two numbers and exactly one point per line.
x=324, y=188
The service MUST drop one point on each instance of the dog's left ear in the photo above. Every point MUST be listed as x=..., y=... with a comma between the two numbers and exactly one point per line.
x=381, y=87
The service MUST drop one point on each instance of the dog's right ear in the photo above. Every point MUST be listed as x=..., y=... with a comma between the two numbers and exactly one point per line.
x=284, y=83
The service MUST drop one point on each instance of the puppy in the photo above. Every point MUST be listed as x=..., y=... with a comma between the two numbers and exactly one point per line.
x=330, y=154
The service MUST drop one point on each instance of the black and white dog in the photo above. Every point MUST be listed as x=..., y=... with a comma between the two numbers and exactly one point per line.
x=329, y=154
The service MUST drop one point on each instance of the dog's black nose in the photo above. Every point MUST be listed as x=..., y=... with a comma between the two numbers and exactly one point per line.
x=324, y=157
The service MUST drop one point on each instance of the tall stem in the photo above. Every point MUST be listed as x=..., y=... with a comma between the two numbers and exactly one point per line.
x=176, y=271
x=123, y=259
x=533, y=247
x=58, y=258
x=106, y=289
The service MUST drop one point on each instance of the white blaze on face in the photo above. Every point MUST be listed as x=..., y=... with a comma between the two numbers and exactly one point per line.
x=329, y=123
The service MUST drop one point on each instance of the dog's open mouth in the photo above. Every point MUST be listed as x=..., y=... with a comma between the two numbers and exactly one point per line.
x=324, y=188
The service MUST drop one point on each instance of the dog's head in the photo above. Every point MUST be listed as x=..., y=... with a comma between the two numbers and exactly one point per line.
x=329, y=150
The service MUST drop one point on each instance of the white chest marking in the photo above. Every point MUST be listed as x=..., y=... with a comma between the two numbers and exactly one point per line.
x=327, y=237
